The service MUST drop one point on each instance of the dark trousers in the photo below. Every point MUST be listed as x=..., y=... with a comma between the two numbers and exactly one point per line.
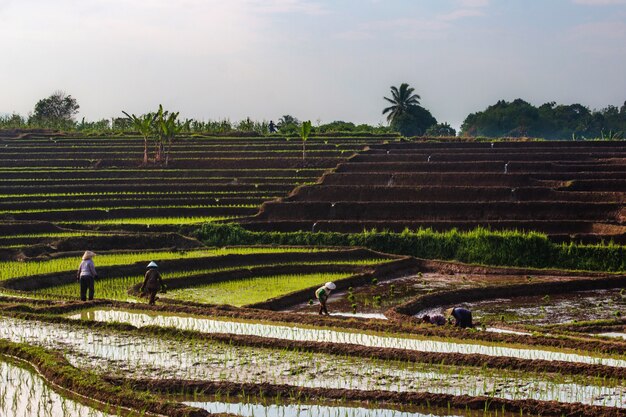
x=86, y=284
x=323, y=307
x=152, y=294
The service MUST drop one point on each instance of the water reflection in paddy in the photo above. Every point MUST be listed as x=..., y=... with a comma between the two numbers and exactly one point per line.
x=207, y=325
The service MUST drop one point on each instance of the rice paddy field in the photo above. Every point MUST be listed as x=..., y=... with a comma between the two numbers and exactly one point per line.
x=236, y=331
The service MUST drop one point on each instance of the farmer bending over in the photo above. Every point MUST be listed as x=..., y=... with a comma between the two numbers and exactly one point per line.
x=436, y=319
x=462, y=317
x=322, y=294
x=152, y=282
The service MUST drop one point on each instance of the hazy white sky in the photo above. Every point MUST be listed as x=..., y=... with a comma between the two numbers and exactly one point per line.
x=314, y=59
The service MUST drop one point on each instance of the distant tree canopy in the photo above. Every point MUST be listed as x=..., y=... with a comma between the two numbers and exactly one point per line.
x=550, y=121
x=440, y=129
x=58, y=110
x=405, y=115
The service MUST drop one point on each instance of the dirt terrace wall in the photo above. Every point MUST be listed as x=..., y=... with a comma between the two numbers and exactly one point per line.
x=432, y=210
x=583, y=230
x=148, y=172
x=148, y=187
x=113, y=213
x=397, y=176
x=445, y=193
x=500, y=143
x=10, y=228
x=232, y=163
x=443, y=401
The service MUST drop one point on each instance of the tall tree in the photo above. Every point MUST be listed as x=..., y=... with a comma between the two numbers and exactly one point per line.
x=405, y=115
x=58, y=110
x=402, y=102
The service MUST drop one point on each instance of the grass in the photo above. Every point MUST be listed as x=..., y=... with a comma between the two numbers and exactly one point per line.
x=107, y=209
x=15, y=269
x=116, y=288
x=54, y=235
x=252, y=290
x=150, y=221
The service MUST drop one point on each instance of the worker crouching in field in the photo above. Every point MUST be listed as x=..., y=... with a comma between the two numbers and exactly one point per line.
x=436, y=319
x=87, y=275
x=322, y=294
x=152, y=282
x=462, y=317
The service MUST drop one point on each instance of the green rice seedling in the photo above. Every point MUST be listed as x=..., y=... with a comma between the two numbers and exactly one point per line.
x=14, y=269
x=253, y=290
x=154, y=221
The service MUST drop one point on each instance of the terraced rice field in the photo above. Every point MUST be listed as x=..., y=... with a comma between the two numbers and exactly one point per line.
x=565, y=189
x=238, y=332
x=94, y=189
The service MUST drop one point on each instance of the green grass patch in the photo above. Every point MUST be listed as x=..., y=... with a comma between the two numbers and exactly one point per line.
x=116, y=288
x=479, y=246
x=15, y=269
x=252, y=290
x=153, y=221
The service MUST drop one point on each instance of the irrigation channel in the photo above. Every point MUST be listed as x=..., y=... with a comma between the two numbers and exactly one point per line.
x=125, y=355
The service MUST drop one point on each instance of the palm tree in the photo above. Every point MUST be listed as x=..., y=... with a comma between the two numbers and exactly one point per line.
x=403, y=99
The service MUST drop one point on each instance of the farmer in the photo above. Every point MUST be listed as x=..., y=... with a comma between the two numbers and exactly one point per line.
x=152, y=283
x=86, y=275
x=436, y=319
x=462, y=317
x=272, y=127
x=322, y=294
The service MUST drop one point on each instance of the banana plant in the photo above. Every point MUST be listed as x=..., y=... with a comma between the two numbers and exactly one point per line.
x=305, y=131
x=144, y=124
x=168, y=127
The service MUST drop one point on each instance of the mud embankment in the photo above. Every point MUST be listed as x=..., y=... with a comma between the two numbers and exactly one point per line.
x=525, y=407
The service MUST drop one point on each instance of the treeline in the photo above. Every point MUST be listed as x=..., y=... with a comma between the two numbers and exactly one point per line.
x=212, y=127
x=519, y=118
x=480, y=246
x=405, y=116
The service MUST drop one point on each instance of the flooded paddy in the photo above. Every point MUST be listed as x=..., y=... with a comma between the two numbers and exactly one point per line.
x=209, y=325
x=123, y=354
x=547, y=309
x=256, y=409
x=382, y=295
x=24, y=393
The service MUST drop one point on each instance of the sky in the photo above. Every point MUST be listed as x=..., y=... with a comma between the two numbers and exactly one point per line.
x=318, y=60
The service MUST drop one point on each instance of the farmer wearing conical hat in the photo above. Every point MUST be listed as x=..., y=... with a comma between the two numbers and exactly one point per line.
x=86, y=275
x=152, y=282
x=322, y=294
x=462, y=316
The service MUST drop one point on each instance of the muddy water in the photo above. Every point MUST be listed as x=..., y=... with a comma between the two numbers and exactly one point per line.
x=123, y=354
x=325, y=335
x=612, y=334
x=376, y=299
x=547, y=309
x=25, y=394
x=316, y=410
